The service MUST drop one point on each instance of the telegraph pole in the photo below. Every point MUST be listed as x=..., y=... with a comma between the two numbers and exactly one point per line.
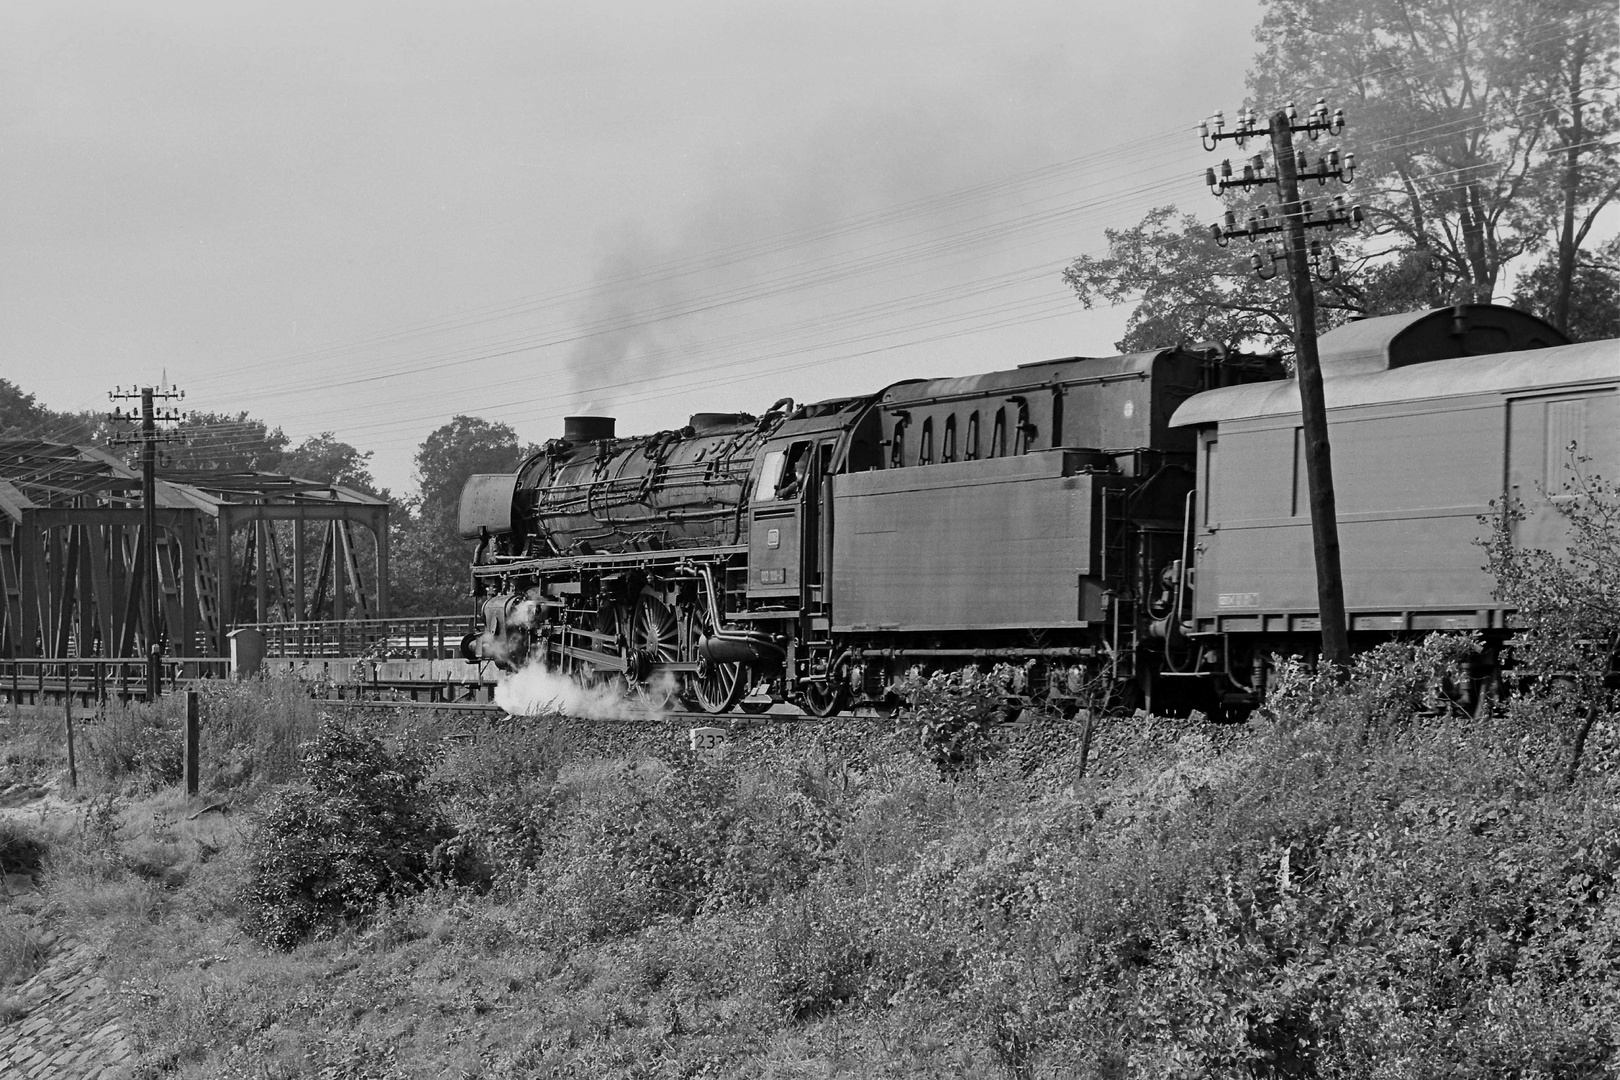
x=1302, y=262
x=147, y=438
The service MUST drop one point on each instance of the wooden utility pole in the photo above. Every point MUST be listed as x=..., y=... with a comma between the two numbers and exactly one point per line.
x=1297, y=216
x=147, y=438
x=1313, y=405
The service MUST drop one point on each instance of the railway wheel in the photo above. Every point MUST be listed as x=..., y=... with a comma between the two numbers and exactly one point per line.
x=654, y=640
x=825, y=699
x=716, y=687
x=611, y=619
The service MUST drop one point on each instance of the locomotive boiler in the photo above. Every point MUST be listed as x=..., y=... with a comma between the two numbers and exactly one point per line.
x=1118, y=530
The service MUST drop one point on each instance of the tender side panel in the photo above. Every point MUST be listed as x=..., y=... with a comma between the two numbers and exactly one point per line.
x=982, y=544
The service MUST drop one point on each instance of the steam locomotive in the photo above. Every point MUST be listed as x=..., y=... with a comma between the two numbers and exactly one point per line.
x=1129, y=531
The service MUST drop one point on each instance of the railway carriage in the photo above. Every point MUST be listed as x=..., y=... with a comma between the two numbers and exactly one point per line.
x=1432, y=416
x=1125, y=529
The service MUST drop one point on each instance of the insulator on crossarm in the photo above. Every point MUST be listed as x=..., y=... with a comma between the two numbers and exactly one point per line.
x=1209, y=178
x=1356, y=216
x=1349, y=171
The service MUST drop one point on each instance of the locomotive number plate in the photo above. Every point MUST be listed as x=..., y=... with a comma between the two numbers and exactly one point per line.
x=773, y=577
x=1228, y=600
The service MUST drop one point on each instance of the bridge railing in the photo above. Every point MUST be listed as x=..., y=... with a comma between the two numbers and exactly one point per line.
x=425, y=637
x=36, y=680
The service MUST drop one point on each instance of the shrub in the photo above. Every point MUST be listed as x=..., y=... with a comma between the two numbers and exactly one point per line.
x=361, y=828
x=500, y=788
x=652, y=843
x=22, y=850
x=952, y=715
x=1567, y=604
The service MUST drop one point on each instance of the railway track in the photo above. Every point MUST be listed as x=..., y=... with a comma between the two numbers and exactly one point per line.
x=696, y=719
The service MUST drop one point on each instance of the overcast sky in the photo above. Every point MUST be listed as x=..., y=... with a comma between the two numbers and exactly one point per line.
x=368, y=217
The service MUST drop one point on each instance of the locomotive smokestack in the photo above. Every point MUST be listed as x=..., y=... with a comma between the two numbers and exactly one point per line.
x=578, y=429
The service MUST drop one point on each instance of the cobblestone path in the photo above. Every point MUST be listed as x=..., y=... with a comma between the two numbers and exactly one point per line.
x=69, y=1027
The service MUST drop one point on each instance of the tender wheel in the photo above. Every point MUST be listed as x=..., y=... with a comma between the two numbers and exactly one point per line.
x=716, y=687
x=825, y=699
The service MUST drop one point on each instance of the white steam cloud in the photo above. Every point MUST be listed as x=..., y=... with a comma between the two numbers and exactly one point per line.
x=536, y=690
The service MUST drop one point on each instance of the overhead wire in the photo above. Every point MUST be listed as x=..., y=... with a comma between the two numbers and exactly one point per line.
x=836, y=268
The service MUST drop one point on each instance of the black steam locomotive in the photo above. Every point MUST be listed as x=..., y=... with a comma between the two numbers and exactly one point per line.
x=1123, y=528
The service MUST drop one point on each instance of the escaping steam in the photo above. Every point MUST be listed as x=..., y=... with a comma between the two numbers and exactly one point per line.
x=536, y=690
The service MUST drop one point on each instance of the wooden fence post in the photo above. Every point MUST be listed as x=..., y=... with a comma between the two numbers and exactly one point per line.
x=193, y=738
x=67, y=712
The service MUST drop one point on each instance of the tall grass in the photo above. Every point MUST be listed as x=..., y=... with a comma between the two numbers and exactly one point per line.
x=250, y=737
x=1358, y=884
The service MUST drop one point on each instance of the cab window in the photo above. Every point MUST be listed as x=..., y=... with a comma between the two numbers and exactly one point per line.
x=769, y=474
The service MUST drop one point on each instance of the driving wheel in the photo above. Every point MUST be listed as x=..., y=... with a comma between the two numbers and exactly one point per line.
x=654, y=640
x=716, y=687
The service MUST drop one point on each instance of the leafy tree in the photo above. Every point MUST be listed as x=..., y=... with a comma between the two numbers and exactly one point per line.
x=455, y=451
x=19, y=412
x=322, y=457
x=1475, y=120
x=1188, y=288
x=431, y=560
x=1594, y=292
x=1482, y=131
x=221, y=442
x=23, y=417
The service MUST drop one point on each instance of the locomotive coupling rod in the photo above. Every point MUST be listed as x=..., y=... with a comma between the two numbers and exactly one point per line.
x=978, y=654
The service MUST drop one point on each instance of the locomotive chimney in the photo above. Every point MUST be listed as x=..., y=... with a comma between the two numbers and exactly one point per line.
x=579, y=429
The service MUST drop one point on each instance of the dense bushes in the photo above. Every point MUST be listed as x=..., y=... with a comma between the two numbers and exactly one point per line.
x=361, y=828
x=1365, y=881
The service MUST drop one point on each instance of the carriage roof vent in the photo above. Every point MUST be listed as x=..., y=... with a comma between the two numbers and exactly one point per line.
x=1392, y=341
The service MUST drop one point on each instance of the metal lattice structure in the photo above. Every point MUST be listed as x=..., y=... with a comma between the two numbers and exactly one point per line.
x=73, y=580
x=272, y=514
